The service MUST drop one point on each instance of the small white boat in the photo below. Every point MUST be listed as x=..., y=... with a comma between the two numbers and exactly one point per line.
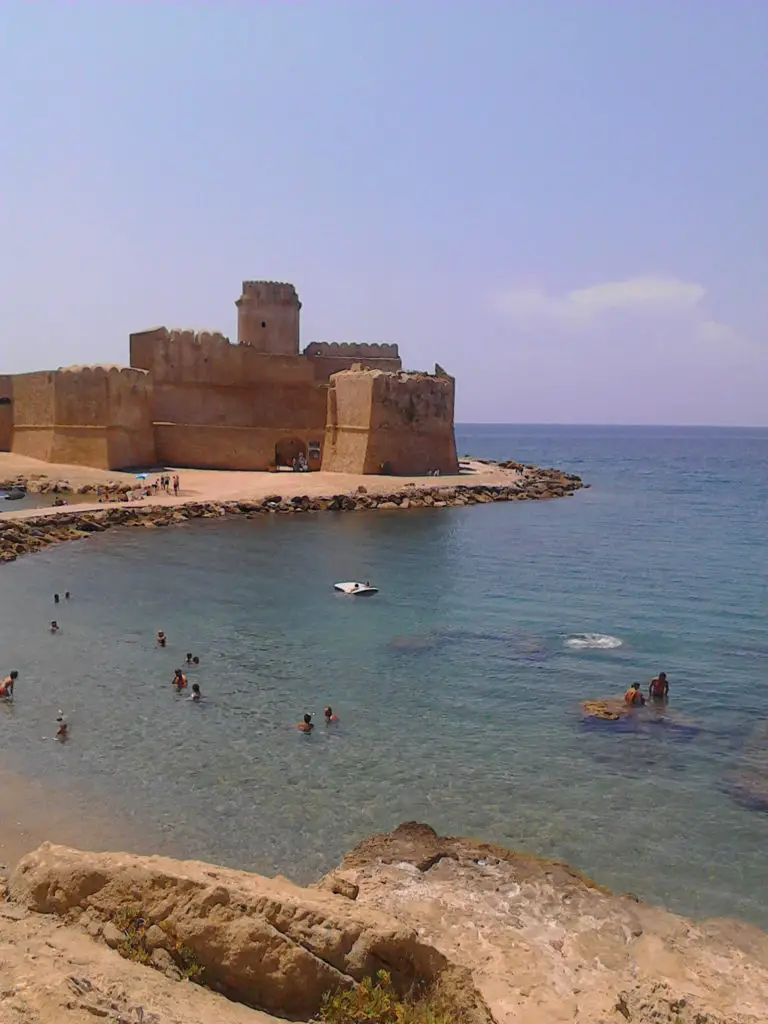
x=358, y=589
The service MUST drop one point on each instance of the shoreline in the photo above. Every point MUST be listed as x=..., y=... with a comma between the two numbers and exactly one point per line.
x=217, y=495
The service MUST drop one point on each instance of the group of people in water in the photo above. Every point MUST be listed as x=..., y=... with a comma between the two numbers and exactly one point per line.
x=6, y=693
x=306, y=725
x=658, y=691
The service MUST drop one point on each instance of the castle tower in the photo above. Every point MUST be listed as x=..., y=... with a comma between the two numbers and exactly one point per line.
x=268, y=317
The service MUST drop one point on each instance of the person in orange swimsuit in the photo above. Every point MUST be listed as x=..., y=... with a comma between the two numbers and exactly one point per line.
x=633, y=697
x=306, y=724
x=329, y=715
x=179, y=680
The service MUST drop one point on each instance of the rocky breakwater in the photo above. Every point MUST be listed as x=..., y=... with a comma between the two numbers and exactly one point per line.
x=20, y=535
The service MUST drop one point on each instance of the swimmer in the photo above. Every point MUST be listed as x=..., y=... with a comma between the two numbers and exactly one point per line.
x=6, y=687
x=189, y=659
x=54, y=626
x=62, y=730
x=195, y=695
x=633, y=696
x=195, y=660
x=306, y=724
x=179, y=680
x=67, y=596
x=161, y=638
x=329, y=715
x=55, y=598
x=659, y=688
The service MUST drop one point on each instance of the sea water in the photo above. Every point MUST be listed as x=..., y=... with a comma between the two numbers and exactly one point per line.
x=457, y=686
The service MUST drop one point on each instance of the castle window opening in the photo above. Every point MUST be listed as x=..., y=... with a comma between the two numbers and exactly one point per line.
x=263, y=323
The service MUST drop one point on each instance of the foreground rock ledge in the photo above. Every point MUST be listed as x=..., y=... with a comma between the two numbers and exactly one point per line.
x=22, y=535
x=545, y=945
x=534, y=941
x=261, y=941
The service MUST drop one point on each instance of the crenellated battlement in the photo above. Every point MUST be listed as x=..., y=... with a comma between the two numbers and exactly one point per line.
x=202, y=339
x=112, y=371
x=270, y=292
x=351, y=349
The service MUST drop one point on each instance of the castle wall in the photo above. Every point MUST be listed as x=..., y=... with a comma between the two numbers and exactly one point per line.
x=6, y=412
x=226, y=406
x=34, y=417
x=402, y=421
x=88, y=416
x=329, y=357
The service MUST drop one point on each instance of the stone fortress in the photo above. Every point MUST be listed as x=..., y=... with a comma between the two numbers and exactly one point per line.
x=194, y=399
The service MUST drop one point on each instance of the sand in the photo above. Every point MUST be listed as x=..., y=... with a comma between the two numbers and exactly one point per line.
x=231, y=485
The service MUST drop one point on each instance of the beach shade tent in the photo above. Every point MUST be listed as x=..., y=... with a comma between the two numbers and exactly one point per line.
x=142, y=476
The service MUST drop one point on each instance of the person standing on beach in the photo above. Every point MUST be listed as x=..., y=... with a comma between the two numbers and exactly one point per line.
x=176, y=485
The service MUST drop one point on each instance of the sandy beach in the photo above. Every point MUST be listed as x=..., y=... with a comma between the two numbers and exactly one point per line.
x=227, y=485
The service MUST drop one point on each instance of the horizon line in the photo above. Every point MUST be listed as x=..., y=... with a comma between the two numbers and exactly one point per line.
x=634, y=426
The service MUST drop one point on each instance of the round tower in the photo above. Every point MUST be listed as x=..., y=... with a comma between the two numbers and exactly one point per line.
x=268, y=317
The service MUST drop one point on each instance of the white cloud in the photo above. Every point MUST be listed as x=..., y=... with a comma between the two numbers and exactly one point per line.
x=635, y=298
x=584, y=304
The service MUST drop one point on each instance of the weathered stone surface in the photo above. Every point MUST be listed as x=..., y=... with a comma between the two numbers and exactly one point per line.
x=265, y=942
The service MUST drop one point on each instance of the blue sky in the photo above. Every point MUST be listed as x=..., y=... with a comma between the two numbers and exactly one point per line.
x=564, y=203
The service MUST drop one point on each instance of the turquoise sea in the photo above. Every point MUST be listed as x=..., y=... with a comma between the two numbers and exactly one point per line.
x=457, y=686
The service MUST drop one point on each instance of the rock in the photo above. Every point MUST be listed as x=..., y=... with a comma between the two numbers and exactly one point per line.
x=162, y=960
x=542, y=943
x=112, y=935
x=387, y=504
x=362, y=489
x=262, y=941
x=156, y=938
x=340, y=886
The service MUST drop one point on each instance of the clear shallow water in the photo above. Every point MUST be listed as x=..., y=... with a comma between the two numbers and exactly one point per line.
x=457, y=686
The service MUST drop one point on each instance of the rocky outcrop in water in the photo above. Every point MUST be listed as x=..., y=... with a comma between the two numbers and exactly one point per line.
x=19, y=536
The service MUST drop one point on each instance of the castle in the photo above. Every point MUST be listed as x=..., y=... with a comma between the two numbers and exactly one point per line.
x=195, y=399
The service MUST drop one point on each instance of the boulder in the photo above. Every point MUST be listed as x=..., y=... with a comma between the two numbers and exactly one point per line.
x=262, y=941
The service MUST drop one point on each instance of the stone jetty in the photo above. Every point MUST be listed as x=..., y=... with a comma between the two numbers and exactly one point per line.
x=25, y=533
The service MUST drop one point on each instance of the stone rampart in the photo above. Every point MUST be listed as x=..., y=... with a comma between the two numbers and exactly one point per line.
x=353, y=349
x=225, y=406
x=85, y=415
x=6, y=412
x=329, y=357
x=401, y=423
